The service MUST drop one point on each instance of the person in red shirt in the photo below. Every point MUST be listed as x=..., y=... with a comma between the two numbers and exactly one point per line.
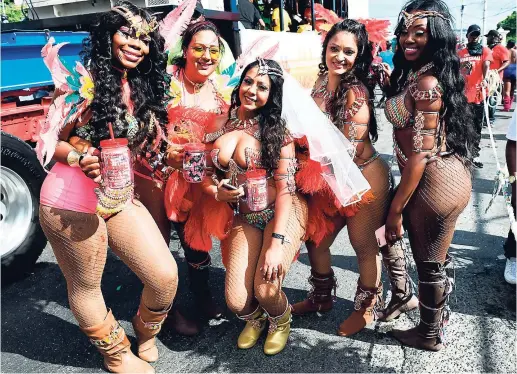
x=509, y=77
x=474, y=64
x=501, y=61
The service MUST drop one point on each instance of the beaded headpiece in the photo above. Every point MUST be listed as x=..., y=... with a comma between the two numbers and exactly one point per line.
x=410, y=18
x=265, y=69
x=139, y=27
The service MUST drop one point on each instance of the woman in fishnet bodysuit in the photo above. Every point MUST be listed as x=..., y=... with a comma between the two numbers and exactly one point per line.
x=127, y=90
x=434, y=145
x=342, y=92
x=263, y=241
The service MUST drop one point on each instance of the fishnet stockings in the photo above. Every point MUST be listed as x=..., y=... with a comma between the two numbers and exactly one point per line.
x=245, y=250
x=80, y=241
x=361, y=229
x=431, y=214
x=152, y=198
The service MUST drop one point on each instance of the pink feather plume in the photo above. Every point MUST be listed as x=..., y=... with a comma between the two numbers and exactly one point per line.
x=378, y=30
x=51, y=59
x=174, y=23
x=254, y=51
x=50, y=129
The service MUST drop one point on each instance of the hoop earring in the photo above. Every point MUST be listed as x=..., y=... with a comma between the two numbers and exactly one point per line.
x=150, y=68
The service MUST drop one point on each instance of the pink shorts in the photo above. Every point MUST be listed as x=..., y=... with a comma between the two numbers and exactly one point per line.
x=68, y=188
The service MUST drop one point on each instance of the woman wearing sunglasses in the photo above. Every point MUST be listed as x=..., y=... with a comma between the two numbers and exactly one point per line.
x=195, y=103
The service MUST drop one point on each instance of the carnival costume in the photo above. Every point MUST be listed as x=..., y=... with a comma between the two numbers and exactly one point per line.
x=81, y=218
x=363, y=218
x=169, y=196
x=432, y=211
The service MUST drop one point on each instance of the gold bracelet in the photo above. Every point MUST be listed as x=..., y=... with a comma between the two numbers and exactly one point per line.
x=73, y=158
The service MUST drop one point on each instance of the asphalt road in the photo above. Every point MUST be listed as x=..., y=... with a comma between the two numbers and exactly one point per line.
x=39, y=333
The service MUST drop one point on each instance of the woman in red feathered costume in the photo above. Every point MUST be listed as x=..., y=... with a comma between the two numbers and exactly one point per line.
x=341, y=91
x=195, y=105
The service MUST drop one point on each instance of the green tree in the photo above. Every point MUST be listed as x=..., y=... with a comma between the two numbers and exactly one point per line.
x=12, y=11
x=509, y=24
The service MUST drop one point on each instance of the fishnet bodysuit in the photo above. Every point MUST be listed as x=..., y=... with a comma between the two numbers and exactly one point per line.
x=371, y=216
x=444, y=190
x=80, y=242
x=361, y=228
x=244, y=251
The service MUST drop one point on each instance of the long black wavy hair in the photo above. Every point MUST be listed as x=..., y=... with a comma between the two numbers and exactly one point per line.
x=189, y=33
x=441, y=50
x=358, y=73
x=148, y=81
x=273, y=129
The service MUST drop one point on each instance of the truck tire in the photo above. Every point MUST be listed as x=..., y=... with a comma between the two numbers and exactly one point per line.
x=23, y=239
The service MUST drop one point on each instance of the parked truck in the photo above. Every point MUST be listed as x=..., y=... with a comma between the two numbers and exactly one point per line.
x=26, y=91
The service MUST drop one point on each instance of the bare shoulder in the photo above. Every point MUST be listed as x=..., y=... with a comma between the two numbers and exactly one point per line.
x=427, y=82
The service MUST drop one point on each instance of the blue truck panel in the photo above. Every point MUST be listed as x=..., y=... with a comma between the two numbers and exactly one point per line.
x=22, y=65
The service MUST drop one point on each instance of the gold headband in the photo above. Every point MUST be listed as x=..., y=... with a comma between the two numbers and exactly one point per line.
x=140, y=27
x=410, y=18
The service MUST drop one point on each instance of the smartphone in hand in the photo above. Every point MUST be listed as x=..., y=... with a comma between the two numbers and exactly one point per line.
x=380, y=234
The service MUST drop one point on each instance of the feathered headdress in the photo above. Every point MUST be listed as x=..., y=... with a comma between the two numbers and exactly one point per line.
x=377, y=30
x=175, y=23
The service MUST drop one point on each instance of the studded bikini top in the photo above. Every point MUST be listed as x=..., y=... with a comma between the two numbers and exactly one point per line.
x=422, y=123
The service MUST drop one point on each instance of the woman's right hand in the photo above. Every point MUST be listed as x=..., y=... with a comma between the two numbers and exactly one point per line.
x=226, y=195
x=90, y=164
x=175, y=158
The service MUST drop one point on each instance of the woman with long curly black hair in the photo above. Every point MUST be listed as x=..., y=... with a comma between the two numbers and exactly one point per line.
x=122, y=86
x=342, y=91
x=254, y=148
x=434, y=145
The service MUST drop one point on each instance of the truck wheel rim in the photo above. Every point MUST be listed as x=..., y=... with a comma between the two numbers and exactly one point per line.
x=15, y=210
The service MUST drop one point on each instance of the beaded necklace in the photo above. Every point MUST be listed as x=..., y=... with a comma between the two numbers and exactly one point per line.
x=250, y=126
x=322, y=92
x=413, y=76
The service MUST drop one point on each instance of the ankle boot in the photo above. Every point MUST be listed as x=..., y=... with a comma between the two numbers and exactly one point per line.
x=507, y=103
x=255, y=324
x=147, y=324
x=182, y=326
x=433, y=291
x=364, y=310
x=111, y=341
x=321, y=297
x=278, y=332
x=402, y=298
x=199, y=285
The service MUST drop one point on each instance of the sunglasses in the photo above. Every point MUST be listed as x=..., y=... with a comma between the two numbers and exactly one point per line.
x=198, y=51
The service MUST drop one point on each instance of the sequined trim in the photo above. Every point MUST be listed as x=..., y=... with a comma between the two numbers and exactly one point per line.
x=429, y=95
x=396, y=111
x=374, y=157
x=291, y=170
x=259, y=219
x=113, y=337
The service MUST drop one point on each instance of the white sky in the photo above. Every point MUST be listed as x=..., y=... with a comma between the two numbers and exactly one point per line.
x=497, y=10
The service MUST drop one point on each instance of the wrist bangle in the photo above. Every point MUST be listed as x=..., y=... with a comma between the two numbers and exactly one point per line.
x=74, y=158
x=281, y=237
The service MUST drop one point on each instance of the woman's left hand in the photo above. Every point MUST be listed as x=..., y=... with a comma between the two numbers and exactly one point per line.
x=272, y=268
x=393, y=227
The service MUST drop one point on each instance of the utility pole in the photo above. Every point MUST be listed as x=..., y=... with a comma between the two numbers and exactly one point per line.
x=485, y=4
x=462, y=34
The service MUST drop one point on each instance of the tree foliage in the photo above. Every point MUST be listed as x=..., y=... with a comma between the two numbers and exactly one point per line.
x=13, y=12
x=509, y=24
